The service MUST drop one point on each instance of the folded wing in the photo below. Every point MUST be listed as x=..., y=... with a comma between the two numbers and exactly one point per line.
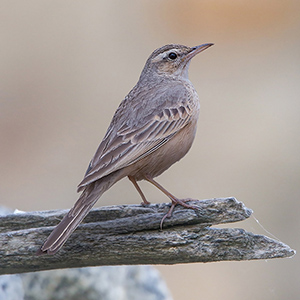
x=130, y=143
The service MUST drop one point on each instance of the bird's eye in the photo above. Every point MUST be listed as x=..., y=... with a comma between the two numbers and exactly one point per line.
x=172, y=55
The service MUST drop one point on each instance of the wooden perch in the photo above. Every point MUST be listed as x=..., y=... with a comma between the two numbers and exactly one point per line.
x=129, y=234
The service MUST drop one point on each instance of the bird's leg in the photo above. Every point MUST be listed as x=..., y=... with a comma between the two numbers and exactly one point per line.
x=174, y=200
x=132, y=179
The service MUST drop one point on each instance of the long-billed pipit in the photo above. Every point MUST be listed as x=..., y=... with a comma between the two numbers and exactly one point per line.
x=153, y=128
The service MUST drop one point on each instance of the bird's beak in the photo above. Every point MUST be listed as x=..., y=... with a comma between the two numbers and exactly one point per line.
x=197, y=49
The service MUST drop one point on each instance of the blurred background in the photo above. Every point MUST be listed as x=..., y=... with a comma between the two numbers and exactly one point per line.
x=65, y=67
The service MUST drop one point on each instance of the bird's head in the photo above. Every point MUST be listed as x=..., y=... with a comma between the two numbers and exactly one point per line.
x=171, y=60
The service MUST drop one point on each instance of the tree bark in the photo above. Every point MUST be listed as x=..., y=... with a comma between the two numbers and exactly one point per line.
x=129, y=234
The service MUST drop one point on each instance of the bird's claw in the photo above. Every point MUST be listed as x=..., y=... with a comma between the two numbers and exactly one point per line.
x=181, y=202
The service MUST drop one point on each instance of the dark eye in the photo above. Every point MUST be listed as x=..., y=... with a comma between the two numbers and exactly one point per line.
x=172, y=55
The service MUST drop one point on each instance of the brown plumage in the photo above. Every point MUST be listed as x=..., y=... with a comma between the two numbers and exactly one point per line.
x=153, y=128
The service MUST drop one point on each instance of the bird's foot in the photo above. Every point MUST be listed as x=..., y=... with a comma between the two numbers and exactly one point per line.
x=176, y=201
x=145, y=202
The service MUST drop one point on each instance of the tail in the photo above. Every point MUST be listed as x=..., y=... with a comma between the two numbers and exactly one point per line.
x=69, y=223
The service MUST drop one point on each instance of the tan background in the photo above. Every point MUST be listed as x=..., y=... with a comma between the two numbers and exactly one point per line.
x=66, y=65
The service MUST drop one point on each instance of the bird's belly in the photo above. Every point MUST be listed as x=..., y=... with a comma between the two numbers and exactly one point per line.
x=160, y=160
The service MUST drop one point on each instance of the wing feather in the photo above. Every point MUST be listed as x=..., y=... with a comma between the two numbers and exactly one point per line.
x=129, y=144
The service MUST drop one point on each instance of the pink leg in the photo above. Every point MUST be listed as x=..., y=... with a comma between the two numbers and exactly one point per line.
x=132, y=179
x=174, y=200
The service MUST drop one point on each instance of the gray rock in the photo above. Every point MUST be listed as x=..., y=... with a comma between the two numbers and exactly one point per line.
x=11, y=287
x=105, y=283
x=5, y=211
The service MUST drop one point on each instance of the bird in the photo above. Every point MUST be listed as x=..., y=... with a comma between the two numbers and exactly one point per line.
x=153, y=127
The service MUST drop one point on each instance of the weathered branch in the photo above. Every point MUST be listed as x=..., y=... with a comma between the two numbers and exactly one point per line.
x=129, y=234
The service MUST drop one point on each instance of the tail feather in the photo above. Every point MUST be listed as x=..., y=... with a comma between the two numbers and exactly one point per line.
x=69, y=223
